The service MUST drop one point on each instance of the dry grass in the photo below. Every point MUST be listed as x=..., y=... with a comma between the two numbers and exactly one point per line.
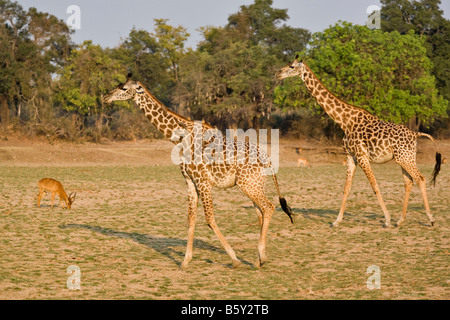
x=127, y=233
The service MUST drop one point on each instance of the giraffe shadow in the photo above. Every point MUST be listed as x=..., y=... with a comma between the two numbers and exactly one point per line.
x=164, y=246
x=55, y=206
x=322, y=215
x=329, y=216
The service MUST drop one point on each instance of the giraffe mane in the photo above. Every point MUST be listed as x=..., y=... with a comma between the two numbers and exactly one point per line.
x=333, y=95
x=174, y=114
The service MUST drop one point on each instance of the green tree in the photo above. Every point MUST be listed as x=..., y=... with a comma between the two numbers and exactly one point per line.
x=234, y=66
x=139, y=54
x=263, y=24
x=89, y=73
x=153, y=58
x=171, y=44
x=33, y=45
x=384, y=72
x=426, y=19
x=14, y=48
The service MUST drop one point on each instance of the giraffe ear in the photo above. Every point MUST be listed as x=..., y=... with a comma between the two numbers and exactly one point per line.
x=129, y=75
x=139, y=88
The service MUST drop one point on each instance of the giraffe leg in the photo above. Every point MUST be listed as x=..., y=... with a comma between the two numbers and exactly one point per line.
x=206, y=197
x=365, y=165
x=408, y=186
x=255, y=191
x=268, y=210
x=422, y=186
x=192, y=215
x=259, y=214
x=351, y=166
x=414, y=172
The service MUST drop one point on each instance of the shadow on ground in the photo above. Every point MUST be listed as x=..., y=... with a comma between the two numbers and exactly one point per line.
x=164, y=246
x=329, y=216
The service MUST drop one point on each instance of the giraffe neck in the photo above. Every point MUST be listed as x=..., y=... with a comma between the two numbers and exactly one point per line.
x=342, y=113
x=165, y=120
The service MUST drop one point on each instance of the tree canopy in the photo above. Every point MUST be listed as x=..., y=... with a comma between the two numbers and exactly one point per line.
x=426, y=19
x=387, y=73
x=52, y=86
x=236, y=65
x=34, y=45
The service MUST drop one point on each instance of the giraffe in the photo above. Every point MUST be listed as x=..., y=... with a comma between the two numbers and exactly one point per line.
x=202, y=176
x=368, y=139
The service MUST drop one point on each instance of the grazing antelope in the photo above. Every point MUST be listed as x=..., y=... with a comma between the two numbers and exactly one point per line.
x=302, y=162
x=56, y=188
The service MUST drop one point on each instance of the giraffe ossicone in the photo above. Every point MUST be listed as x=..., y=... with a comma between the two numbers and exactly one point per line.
x=201, y=176
x=368, y=139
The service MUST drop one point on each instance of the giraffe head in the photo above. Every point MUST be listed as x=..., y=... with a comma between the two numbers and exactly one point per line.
x=292, y=69
x=124, y=91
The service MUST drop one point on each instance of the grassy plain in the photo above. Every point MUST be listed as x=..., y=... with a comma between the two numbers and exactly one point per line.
x=128, y=226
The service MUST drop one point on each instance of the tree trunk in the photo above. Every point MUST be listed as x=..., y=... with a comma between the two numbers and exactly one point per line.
x=4, y=111
x=414, y=124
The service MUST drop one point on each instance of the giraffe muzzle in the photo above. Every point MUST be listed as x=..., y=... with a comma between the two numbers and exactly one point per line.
x=107, y=99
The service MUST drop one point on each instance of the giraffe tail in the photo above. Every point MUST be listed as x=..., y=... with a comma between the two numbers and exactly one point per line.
x=437, y=166
x=283, y=201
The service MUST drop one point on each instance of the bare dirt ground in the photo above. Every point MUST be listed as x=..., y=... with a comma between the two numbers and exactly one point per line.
x=127, y=229
x=18, y=151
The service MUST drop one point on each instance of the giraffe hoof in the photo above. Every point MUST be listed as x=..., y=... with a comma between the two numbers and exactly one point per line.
x=432, y=221
x=334, y=225
x=257, y=264
x=184, y=266
x=387, y=225
x=235, y=264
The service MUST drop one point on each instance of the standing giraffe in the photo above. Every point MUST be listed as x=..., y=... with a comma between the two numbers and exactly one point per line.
x=368, y=139
x=200, y=176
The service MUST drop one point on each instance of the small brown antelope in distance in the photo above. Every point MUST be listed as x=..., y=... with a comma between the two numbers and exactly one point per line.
x=55, y=188
x=302, y=162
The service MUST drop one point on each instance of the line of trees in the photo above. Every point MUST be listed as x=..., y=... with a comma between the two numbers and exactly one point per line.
x=50, y=86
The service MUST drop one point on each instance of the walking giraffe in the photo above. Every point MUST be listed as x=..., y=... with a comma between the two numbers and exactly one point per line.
x=368, y=139
x=201, y=176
